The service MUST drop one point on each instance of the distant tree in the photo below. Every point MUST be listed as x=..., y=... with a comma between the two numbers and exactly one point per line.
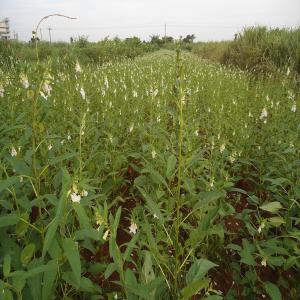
x=155, y=39
x=82, y=41
x=168, y=39
x=189, y=38
x=133, y=40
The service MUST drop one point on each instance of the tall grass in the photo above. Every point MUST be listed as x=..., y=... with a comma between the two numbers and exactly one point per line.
x=257, y=49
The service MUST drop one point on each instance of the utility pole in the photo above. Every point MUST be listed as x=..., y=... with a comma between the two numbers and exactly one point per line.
x=41, y=33
x=165, y=30
x=50, y=33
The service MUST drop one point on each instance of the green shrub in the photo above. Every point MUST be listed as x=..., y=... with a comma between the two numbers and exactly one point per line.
x=257, y=49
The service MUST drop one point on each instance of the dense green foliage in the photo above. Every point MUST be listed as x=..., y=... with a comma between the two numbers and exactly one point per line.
x=107, y=50
x=257, y=49
x=148, y=179
x=100, y=52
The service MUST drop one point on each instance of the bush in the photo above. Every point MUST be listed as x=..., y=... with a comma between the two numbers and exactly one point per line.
x=257, y=49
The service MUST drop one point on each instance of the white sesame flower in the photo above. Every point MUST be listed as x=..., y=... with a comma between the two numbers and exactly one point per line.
x=69, y=137
x=13, y=152
x=21, y=179
x=232, y=157
x=84, y=193
x=264, y=262
x=288, y=72
x=155, y=216
x=47, y=88
x=82, y=93
x=1, y=91
x=43, y=95
x=264, y=114
x=107, y=84
x=131, y=128
x=77, y=67
x=153, y=154
x=261, y=226
x=291, y=95
x=196, y=132
x=294, y=108
x=75, y=197
x=222, y=148
x=105, y=235
x=50, y=147
x=133, y=228
x=24, y=81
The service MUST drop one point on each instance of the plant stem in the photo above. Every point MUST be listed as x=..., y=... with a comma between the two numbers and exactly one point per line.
x=180, y=166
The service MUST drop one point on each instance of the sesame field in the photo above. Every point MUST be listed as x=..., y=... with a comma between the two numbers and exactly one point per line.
x=162, y=177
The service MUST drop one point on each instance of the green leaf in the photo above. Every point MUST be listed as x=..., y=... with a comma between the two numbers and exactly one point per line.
x=8, y=220
x=86, y=285
x=130, y=278
x=27, y=254
x=207, y=197
x=4, y=184
x=21, y=167
x=112, y=267
x=72, y=254
x=22, y=226
x=115, y=224
x=6, y=265
x=153, y=207
x=198, y=270
x=272, y=207
x=272, y=290
x=19, y=281
x=171, y=164
x=50, y=234
x=88, y=234
x=7, y=294
x=155, y=176
x=37, y=270
x=148, y=271
x=194, y=287
x=82, y=216
x=48, y=280
x=61, y=158
x=276, y=221
x=246, y=253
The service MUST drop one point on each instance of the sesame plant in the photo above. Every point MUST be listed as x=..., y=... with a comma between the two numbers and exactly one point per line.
x=162, y=177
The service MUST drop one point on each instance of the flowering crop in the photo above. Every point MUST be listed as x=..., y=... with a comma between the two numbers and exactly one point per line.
x=133, y=179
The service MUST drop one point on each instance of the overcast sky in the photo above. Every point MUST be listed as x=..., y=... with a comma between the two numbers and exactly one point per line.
x=207, y=19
